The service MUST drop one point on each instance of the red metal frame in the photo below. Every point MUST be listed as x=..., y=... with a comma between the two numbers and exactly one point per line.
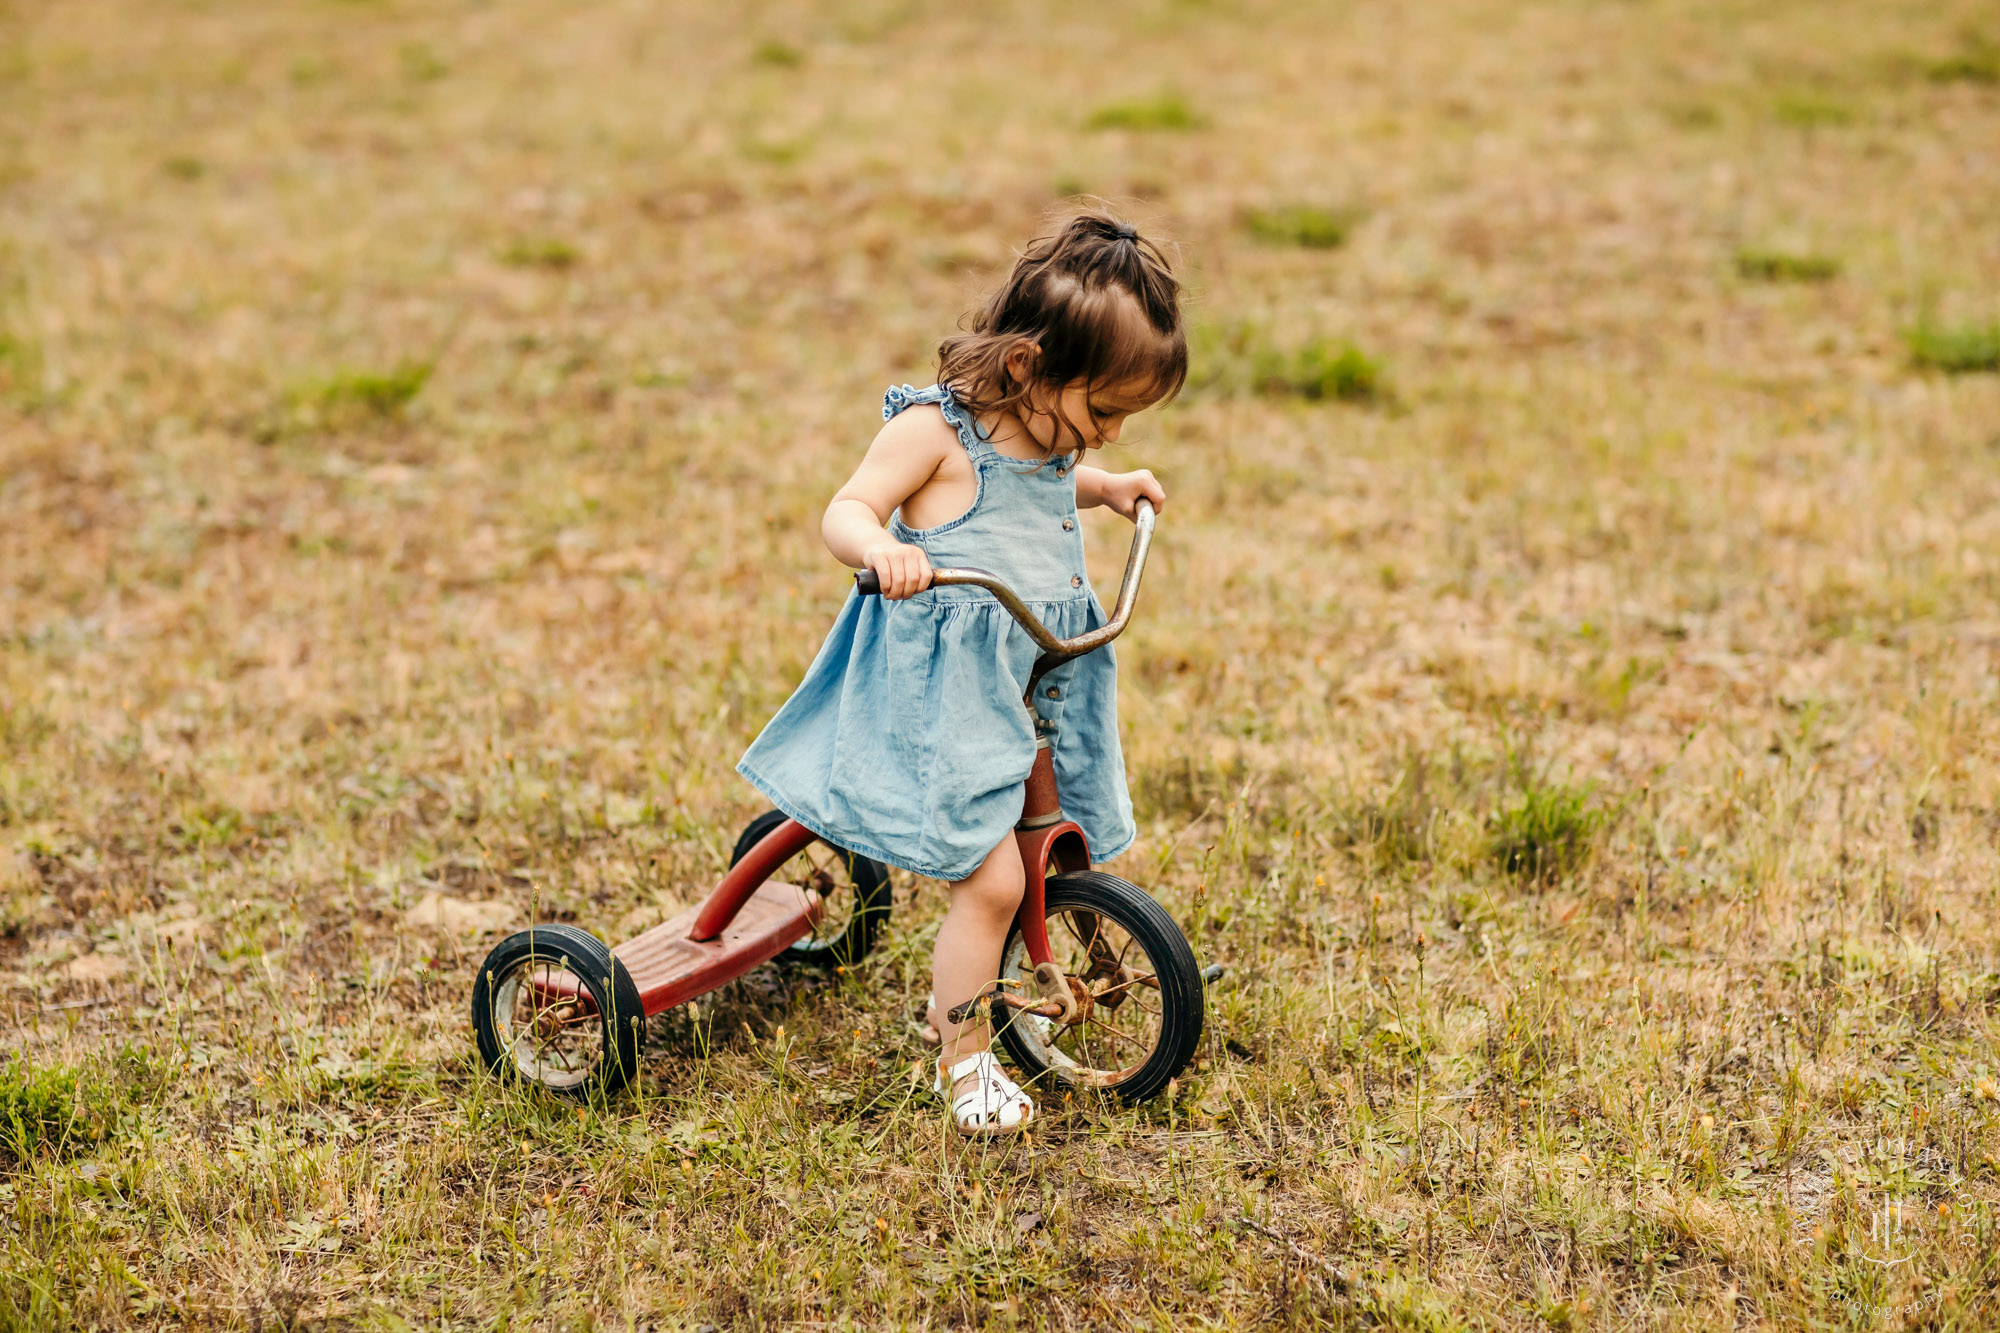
x=1064, y=846
x=778, y=846
x=746, y=920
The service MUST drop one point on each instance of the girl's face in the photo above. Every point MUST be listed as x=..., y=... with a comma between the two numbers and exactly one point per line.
x=1098, y=415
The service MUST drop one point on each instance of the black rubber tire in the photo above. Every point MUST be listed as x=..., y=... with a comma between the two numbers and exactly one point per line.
x=1182, y=1002
x=611, y=987
x=871, y=902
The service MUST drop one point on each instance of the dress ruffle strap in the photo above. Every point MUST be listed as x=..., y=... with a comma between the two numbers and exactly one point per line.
x=899, y=398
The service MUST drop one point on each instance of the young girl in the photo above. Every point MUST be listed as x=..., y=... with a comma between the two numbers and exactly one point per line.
x=907, y=741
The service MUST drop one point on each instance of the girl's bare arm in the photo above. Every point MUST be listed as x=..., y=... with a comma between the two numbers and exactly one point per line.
x=1118, y=491
x=904, y=456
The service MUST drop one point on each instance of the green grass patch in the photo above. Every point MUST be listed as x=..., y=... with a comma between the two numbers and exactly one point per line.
x=1977, y=60
x=539, y=252
x=1963, y=349
x=348, y=399
x=420, y=64
x=1812, y=110
x=383, y=393
x=20, y=367
x=1322, y=370
x=1166, y=112
x=774, y=152
x=1760, y=265
x=51, y=1110
x=1307, y=226
x=1546, y=832
x=779, y=55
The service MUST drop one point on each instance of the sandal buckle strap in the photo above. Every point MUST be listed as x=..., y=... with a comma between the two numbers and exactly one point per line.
x=991, y=1099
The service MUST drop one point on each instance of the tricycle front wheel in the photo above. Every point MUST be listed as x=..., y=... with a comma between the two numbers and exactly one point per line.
x=1142, y=1021
x=552, y=1004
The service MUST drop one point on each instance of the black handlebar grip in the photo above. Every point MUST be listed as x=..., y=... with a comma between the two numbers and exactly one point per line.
x=867, y=583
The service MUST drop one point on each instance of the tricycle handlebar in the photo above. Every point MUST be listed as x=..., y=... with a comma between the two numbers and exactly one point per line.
x=1054, y=650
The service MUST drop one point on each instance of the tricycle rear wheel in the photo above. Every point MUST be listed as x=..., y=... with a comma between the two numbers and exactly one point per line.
x=552, y=1004
x=854, y=893
x=1143, y=1020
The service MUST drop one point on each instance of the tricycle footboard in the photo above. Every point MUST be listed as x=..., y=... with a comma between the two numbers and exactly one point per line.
x=671, y=968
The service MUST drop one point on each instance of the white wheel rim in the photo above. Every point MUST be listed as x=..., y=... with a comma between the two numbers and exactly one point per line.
x=547, y=1043
x=1095, y=1041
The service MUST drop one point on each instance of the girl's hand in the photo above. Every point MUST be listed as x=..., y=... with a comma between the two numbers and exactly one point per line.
x=904, y=570
x=1122, y=491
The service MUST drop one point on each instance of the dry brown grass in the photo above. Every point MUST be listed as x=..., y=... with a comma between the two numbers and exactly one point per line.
x=414, y=419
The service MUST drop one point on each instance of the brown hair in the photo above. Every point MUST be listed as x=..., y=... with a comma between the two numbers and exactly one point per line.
x=1099, y=302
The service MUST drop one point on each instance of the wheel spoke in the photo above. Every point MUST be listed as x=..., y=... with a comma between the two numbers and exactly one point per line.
x=1069, y=919
x=826, y=871
x=1121, y=1036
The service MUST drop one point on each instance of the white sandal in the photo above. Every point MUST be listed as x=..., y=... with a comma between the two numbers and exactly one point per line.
x=995, y=1103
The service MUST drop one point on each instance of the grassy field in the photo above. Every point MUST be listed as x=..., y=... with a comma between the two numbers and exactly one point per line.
x=1565, y=698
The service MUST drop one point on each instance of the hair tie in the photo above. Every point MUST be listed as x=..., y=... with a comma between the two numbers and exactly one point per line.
x=1125, y=231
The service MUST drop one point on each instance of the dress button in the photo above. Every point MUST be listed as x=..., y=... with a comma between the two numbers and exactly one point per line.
x=1054, y=693
x=1069, y=525
x=1076, y=580
x=1061, y=472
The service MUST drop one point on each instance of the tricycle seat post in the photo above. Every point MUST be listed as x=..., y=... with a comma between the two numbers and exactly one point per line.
x=1041, y=806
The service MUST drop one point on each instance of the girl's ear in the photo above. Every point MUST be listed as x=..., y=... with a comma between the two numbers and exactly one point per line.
x=1024, y=358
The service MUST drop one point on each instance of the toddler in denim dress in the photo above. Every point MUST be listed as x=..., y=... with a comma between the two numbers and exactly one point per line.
x=907, y=741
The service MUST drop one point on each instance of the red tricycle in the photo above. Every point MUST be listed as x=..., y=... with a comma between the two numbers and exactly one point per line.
x=1098, y=987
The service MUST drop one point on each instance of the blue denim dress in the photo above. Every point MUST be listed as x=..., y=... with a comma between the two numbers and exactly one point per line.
x=907, y=740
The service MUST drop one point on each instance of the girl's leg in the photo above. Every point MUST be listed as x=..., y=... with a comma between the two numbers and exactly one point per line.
x=967, y=958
